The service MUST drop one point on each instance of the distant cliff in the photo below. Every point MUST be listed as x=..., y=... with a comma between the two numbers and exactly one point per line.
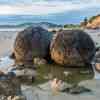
x=92, y=23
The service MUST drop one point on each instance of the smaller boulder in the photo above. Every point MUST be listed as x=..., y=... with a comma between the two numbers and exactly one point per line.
x=72, y=48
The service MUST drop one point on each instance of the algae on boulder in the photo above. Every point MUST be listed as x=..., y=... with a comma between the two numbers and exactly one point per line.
x=72, y=48
x=30, y=43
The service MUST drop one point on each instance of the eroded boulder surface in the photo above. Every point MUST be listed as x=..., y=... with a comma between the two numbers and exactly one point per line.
x=30, y=43
x=72, y=48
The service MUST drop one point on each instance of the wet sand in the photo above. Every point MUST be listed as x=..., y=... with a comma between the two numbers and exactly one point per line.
x=7, y=37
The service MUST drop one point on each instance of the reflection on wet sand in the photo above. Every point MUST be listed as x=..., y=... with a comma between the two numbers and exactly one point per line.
x=71, y=76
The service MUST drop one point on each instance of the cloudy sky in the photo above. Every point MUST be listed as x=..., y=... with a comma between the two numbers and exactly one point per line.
x=46, y=7
x=55, y=11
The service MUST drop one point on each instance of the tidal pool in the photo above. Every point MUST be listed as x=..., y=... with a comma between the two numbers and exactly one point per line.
x=70, y=75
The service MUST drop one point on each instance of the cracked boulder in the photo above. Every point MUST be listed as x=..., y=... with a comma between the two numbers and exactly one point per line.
x=30, y=43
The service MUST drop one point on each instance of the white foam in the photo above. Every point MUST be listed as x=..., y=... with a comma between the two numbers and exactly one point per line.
x=5, y=64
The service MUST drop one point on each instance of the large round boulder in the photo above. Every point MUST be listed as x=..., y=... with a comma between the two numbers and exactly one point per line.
x=30, y=43
x=72, y=48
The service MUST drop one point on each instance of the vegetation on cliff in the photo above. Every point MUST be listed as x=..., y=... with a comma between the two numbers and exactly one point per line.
x=91, y=23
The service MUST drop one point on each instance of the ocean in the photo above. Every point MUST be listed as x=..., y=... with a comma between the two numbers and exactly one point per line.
x=56, y=19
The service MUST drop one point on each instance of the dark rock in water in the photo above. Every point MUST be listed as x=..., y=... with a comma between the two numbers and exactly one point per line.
x=76, y=90
x=97, y=56
x=97, y=61
x=72, y=48
x=12, y=56
x=24, y=75
x=31, y=42
x=11, y=74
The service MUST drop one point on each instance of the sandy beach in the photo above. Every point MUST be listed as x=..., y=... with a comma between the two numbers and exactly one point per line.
x=7, y=37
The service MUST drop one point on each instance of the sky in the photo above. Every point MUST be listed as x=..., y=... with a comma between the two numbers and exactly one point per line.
x=57, y=11
x=45, y=7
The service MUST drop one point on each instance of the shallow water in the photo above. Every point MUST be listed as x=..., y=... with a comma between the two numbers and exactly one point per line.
x=83, y=77
x=66, y=74
x=48, y=72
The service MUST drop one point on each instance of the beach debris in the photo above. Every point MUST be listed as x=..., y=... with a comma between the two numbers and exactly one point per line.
x=30, y=43
x=72, y=48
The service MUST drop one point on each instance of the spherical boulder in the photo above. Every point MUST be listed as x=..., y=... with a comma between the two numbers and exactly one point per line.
x=72, y=48
x=31, y=42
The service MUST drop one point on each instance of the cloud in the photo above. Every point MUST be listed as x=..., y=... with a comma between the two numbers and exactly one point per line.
x=45, y=7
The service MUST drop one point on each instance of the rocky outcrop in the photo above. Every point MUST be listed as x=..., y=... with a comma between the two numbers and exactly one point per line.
x=92, y=23
x=30, y=43
x=72, y=48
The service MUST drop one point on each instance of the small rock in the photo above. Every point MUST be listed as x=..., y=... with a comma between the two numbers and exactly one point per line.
x=1, y=73
x=18, y=98
x=97, y=67
x=76, y=90
x=3, y=97
x=40, y=61
x=9, y=98
x=25, y=72
x=66, y=73
x=97, y=56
